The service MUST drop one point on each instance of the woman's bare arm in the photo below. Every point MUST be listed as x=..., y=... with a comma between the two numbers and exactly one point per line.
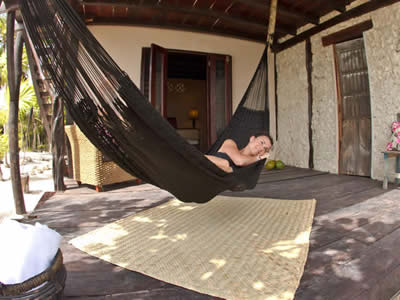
x=220, y=163
x=239, y=159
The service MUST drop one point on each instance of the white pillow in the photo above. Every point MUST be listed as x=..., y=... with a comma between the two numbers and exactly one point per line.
x=25, y=250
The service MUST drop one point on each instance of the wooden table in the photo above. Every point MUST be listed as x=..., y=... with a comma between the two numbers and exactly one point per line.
x=387, y=155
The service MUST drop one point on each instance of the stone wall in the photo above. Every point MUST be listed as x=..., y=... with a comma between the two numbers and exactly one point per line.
x=383, y=55
x=382, y=44
x=293, y=122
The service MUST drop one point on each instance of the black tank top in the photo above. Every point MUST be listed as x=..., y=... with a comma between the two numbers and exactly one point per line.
x=223, y=155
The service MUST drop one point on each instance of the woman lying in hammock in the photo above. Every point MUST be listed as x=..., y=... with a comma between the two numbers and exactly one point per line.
x=229, y=156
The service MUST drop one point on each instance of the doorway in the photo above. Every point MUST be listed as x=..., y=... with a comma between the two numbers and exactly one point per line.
x=192, y=90
x=354, y=108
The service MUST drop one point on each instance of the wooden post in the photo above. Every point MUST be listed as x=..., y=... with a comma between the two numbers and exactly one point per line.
x=14, y=80
x=271, y=70
x=310, y=101
x=57, y=145
x=272, y=20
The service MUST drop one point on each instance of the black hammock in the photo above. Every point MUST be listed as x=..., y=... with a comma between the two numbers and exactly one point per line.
x=116, y=117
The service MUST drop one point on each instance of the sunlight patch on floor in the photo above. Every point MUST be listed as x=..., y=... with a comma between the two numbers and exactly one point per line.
x=285, y=295
x=110, y=238
x=162, y=223
x=350, y=271
x=218, y=263
x=289, y=248
x=258, y=285
x=181, y=205
x=160, y=236
x=142, y=219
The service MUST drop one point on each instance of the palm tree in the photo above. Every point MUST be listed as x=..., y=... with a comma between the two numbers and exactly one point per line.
x=28, y=107
x=3, y=31
x=3, y=55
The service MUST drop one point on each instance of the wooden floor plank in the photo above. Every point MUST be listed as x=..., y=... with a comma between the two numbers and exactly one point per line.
x=323, y=260
x=355, y=220
x=285, y=174
x=359, y=276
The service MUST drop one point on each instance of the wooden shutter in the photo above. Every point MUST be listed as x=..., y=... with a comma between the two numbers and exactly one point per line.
x=354, y=108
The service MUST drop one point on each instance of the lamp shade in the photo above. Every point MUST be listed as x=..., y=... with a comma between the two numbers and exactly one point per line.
x=193, y=113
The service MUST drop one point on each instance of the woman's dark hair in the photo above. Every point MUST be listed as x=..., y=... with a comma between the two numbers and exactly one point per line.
x=263, y=133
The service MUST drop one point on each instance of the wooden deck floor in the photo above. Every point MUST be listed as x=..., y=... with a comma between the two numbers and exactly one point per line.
x=354, y=251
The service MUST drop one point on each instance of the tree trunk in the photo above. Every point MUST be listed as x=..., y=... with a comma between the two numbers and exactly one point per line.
x=57, y=145
x=14, y=70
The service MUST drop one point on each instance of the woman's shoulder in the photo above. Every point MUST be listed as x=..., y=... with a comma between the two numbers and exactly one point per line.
x=229, y=142
x=228, y=145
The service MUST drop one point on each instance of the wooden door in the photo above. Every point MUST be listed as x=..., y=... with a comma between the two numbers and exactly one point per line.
x=354, y=108
x=158, y=78
x=219, y=99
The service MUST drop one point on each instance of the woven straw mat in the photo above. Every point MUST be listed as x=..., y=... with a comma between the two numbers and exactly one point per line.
x=230, y=247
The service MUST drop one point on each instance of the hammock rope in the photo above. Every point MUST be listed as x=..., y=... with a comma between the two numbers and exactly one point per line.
x=115, y=116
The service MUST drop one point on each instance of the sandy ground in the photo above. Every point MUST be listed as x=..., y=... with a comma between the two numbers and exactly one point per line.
x=38, y=166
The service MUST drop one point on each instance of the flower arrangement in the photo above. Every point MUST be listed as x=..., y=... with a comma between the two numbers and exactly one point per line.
x=394, y=144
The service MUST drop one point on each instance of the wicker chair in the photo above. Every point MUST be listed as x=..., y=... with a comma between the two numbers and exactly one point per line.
x=89, y=165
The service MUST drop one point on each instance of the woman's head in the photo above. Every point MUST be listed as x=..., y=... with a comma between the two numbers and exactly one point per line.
x=263, y=133
x=260, y=144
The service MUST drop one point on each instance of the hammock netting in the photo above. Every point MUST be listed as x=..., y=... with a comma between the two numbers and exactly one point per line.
x=116, y=117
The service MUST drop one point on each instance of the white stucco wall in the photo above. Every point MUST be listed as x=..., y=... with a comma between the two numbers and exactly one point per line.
x=125, y=43
x=382, y=44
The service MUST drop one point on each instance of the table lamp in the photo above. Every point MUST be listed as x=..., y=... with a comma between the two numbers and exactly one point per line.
x=194, y=115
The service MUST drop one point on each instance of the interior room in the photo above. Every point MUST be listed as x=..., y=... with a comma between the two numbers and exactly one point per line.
x=187, y=94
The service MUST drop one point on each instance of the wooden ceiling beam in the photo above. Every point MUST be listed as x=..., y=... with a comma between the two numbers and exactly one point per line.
x=306, y=17
x=282, y=10
x=346, y=34
x=196, y=11
x=338, y=6
x=284, y=29
x=340, y=9
x=349, y=14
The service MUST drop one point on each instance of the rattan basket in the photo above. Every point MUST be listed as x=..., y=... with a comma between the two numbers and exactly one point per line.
x=47, y=285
